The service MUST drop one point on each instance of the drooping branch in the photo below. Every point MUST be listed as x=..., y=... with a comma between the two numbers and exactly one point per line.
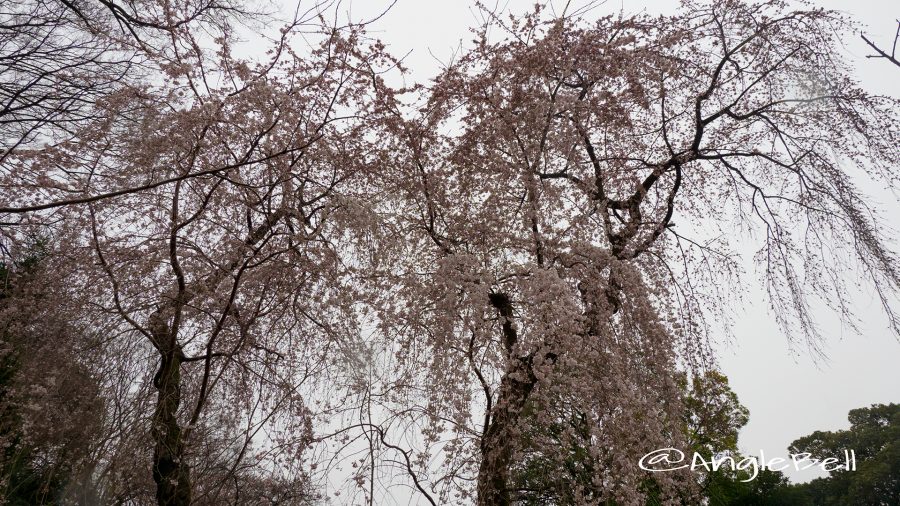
x=881, y=53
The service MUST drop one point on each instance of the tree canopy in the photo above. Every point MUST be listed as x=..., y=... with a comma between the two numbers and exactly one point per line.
x=874, y=436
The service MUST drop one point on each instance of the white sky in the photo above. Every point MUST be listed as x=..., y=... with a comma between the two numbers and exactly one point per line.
x=789, y=395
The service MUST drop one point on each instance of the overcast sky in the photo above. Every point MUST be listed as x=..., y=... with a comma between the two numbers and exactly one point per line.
x=789, y=394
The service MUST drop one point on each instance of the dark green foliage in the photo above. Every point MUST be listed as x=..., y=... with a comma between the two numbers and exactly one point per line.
x=874, y=435
x=769, y=488
x=713, y=414
x=533, y=484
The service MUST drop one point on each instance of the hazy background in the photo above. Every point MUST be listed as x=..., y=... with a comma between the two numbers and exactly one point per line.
x=789, y=393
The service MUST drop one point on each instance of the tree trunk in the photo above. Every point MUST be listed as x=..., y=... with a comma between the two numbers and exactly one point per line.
x=170, y=471
x=497, y=443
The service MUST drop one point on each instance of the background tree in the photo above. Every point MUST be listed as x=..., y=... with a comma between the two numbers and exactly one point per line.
x=713, y=414
x=61, y=57
x=53, y=69
x=50, y=397
x=874, y=435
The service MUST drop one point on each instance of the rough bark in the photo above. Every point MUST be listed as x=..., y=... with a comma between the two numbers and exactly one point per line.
x=515, y=387
x=171, y=471
x=496, y=444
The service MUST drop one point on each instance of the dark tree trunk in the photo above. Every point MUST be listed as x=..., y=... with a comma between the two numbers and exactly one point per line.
x=170, y=471
x=497, y=443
